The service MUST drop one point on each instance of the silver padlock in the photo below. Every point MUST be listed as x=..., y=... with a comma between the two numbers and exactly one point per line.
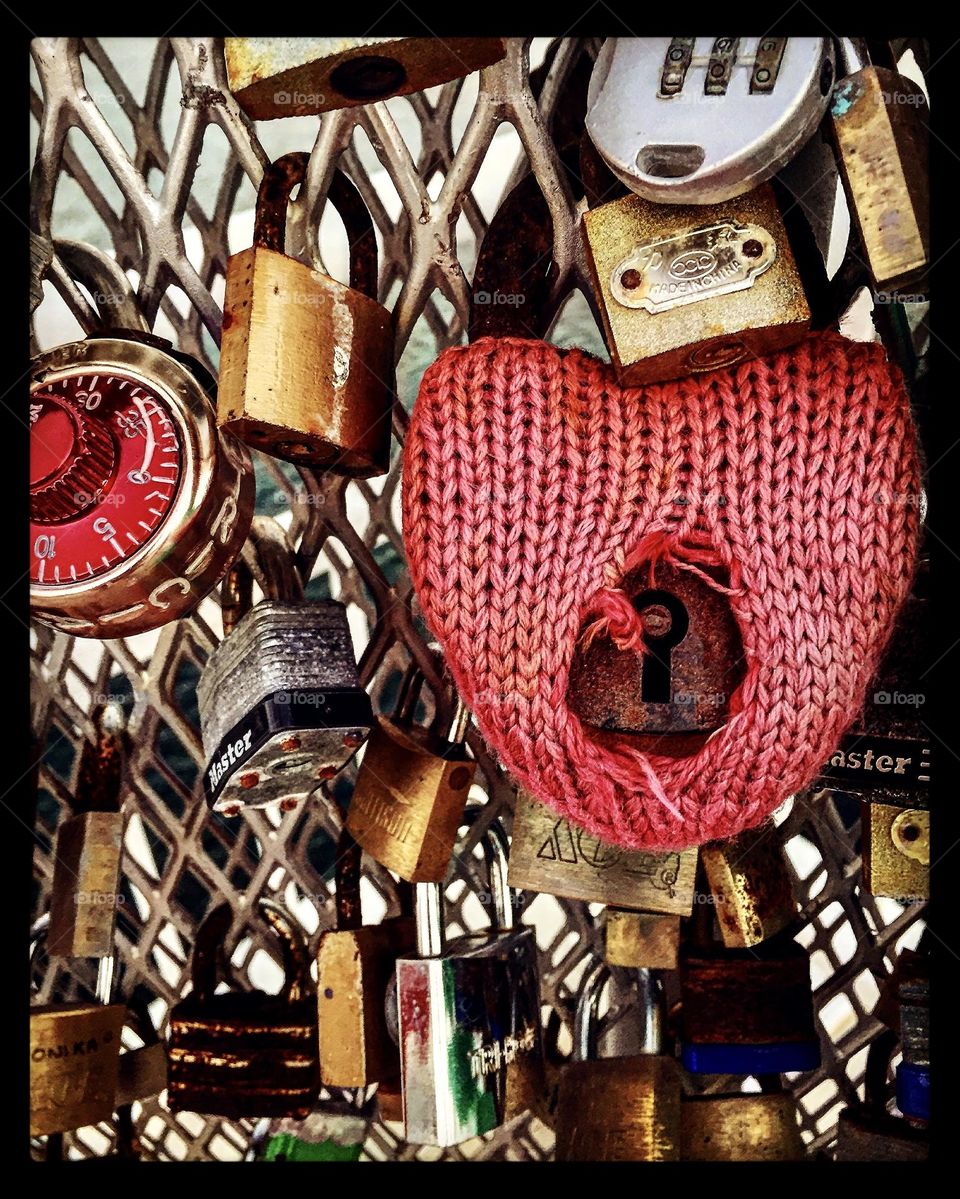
x=281, y=706
x=468, y=1012
x=700, y=120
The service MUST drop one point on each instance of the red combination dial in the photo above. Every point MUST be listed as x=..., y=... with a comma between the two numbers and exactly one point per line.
x=105, y=467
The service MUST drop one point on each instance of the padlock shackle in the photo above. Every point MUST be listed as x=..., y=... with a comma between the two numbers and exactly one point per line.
x=650, y=991
x=347, y=882
x=113, y=297
x=270, y=224
x=208, y=950
x=882, y=1049
x=410, y=687
x=269, y=556
x=296, y=959
x=585, y=1013
x=100, y=773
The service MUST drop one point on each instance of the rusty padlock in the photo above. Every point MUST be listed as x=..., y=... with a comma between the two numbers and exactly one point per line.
x=306, y=366
x=678, y=691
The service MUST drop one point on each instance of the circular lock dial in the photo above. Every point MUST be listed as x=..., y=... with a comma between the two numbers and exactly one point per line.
x=137, y=503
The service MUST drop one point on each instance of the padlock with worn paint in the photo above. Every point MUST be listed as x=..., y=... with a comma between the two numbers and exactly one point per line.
x=619, y=1108
x=747, y=1011
x=334, y=1132
x=469, y=1017
x=747, y=1127
x=867, y=1131
x=245, y=1053
x=750, y=885
x=306, y=362
x=411, y=790
x=879, y=122
x=273, y=77
x=355, y=964
x=683, y=289
x=86, y=871
x=885, y=759
x=281, y=706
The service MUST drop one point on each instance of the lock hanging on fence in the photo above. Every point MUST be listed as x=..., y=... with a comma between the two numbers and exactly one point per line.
x=281, y=706
x=306, y=363
x=742, y=1127
x=469, y=1017
x=245, y=1053
x=867, y=1131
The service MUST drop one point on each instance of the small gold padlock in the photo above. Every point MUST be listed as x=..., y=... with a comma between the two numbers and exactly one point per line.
x=306, y=365
x=683, y=289
x=641, y=940
x=750, y=885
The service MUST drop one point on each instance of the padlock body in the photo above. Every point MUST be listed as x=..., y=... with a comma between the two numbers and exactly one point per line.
x=863, y=1136
x=556, y=856
x=750, y=886
x=639, y=940
x=682, y=290
x=619, y=1109
x=892, y=866
x=243, y=1054
x=142, y=1073
x=298, y=76
x=408, y=801
x=74, y=1052
x=354, y=968
x=749, y=1128
x=468, y=1020
x=281, y=706
x=86, y=874
x=306, y=367
x=879, y=126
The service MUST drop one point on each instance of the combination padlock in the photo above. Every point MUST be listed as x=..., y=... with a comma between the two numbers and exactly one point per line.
x=867, y=1131
x=137, y=503
x=468, y=1014
x=281, y=706
x=879, y=122
x=746, y=1127
x=684, y=289
x=885, y=760
x=750, y=885
x=355, y=965
x=747, y=1011
x=411, y=790
x=245, y=1053
x=689, y=120
x=86, y=871
x=619, y=1108
x=74, y=1055
x=306, y=362
x=273, y=77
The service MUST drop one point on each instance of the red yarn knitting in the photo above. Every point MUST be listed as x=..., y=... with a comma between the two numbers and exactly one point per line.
x=533, y=483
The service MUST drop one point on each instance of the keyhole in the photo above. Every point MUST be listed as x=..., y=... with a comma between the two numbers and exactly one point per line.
x=666, y=622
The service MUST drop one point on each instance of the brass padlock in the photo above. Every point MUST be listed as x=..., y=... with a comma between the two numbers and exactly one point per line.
x=245, y=1053
x=355, y=964
x=86, y=871
x=641, y=939
x=411, y=791
x=879, y=120
x=677, y=691
x=867, y=1131
x=743, y=1127
x=306, y=363
x=750, y=886
x=551, y=854
x=618, y=1108
x=683, y=289
x=273, y=77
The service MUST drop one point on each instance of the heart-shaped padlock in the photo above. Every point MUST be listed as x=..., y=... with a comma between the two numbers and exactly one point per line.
x=534, y=485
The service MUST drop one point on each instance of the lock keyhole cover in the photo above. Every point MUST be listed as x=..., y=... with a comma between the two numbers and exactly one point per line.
x=671, y=696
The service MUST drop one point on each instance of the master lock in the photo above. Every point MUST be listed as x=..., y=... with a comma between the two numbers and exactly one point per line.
x=469, y=1017
x=273, y=77
x=281, y=706
x=245, y=1053
x=411, y=790
x=86, y=871
x=684, y=289
x=676, y=689
x=306, y=363
x=137, y=504
x=355, y=964
x=700, y=120
x=619, y=1108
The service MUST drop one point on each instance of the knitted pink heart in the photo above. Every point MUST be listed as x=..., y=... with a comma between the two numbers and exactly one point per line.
x=533, y=483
